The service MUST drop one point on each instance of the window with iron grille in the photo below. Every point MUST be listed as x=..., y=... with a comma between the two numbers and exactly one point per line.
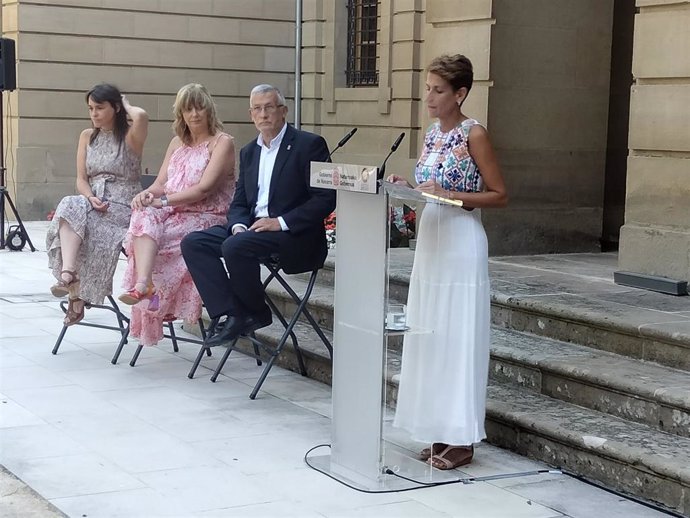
x=362, y=30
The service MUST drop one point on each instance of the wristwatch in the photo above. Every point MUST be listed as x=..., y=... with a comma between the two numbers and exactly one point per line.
x=164, y=201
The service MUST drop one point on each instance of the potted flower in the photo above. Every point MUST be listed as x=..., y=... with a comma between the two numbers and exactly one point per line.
x=329, y=223
x=402, y=227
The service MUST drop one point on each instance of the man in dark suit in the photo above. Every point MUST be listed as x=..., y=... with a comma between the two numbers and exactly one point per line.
x=274, y=212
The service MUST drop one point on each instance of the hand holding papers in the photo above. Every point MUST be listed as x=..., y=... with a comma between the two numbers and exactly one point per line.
x=408, y=193
x=457, y=203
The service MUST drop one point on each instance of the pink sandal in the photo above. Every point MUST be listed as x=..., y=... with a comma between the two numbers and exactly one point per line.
x=134, y=296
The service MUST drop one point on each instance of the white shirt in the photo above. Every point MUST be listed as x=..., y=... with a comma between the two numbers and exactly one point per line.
x=267, y=161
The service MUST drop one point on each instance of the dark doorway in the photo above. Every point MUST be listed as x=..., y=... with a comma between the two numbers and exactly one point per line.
x=618, y=124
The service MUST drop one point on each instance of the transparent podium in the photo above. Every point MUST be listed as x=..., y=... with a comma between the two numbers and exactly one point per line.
x=370, y=327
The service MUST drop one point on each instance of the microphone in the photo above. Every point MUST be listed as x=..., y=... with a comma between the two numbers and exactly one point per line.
x=343, y=141
x=395, y=145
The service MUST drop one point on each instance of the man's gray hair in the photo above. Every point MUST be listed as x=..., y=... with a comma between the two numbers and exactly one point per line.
x=265, y=89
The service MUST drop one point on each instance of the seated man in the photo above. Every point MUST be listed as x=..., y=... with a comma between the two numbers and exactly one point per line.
x=274, y=212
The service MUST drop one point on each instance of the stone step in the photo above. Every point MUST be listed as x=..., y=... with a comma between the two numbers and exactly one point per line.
x=635, y=390
x=638, y=391
x=526, y=411
x=641, y=391
x=629, y=457
x=589, y=311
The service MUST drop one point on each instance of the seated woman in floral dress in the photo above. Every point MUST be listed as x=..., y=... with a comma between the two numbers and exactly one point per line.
x=192, y=191
x=85, y=236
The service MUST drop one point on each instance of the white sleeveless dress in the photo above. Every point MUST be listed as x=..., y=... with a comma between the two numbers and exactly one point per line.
x=442, y=394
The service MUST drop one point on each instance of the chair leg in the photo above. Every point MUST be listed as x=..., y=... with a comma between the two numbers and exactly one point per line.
x=59, y=340
x=222, y=361
x=263, y=376
x=202, y=330
x=197, y=361
x=298, y=353
x=173, y=337
x=135, y=356
x=257, y=353
x=123, y=341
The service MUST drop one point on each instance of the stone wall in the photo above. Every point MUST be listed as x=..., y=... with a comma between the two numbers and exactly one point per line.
x=656, y=236
x=548, y=114
x=541, y=86
x=149, y=48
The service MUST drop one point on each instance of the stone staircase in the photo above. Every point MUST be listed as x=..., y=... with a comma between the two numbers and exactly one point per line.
x=585, y=375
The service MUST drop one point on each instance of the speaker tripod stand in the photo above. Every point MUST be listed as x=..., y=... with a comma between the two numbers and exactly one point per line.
x=17, y=236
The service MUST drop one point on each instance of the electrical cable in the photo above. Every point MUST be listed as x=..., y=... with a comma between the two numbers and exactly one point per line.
x=470, y=480
x=650, y=505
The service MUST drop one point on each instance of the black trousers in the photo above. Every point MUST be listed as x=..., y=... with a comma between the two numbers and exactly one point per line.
x=237, y=291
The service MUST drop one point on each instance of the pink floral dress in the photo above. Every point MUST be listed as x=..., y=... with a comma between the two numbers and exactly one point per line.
x=179, y=298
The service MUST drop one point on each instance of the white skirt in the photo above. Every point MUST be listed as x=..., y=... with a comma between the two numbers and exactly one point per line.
x=442, y=394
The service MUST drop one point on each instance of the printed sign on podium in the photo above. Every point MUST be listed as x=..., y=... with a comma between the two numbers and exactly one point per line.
x=346, y=177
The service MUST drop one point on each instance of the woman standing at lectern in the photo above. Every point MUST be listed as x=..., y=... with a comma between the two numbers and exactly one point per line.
x=442, y=395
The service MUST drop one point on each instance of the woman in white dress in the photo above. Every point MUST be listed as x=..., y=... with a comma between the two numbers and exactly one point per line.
x=442, y=395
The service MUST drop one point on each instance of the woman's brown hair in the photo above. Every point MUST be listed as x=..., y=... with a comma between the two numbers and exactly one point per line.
x=194, y=95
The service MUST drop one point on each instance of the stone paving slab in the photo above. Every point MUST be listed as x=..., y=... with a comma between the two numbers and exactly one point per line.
x=104, y=440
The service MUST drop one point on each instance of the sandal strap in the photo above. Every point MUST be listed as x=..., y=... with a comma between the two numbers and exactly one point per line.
x=436, y=459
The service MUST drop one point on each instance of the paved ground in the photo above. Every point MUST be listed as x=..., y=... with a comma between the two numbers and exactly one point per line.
x=97, y=440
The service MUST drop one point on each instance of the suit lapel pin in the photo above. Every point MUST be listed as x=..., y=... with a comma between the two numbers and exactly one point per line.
x=289, y=146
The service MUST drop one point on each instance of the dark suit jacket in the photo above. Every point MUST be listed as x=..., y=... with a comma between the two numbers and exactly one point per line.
x=302, y=207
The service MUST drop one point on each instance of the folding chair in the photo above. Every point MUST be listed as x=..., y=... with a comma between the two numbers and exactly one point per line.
x=122, y=324
x=274, y=268
x=171, y=334
x=123, y=328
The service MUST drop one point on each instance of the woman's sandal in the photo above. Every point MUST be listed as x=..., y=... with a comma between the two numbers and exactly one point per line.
x=135, y=296
x=461, y=455
x=438, y=447
x=71, y=316
x=61, y=287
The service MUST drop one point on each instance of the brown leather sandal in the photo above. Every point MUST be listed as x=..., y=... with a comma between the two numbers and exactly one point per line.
x=74, y=317
x=452, y=457
x=438, y=447
x=61, y=287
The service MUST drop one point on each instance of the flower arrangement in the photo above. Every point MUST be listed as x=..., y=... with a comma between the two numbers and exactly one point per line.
x=329, y=223
x=402, y=226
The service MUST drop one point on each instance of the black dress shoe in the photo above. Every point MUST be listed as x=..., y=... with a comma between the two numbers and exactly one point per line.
x=226, y=332
x=254, y=322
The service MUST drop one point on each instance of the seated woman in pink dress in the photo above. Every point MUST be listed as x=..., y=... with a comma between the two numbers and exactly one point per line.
x=192, y=191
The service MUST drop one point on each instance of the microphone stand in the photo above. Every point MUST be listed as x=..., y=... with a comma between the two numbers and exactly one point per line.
x=342, y=142
x=394, y=147
x=5, y=197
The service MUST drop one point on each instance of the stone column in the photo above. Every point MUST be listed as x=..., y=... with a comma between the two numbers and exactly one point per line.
x=655, y=239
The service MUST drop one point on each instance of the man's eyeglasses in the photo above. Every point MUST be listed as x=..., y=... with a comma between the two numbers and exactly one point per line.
x=269, y=109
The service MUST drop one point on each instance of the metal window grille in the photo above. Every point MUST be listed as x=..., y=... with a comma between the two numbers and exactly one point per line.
x=362, y=21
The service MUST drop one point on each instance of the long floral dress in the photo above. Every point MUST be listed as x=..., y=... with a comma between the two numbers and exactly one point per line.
x=114, y=173
x=178, y=297
x=442, y=396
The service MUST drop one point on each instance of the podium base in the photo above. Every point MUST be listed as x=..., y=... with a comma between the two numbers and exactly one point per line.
x=398, y=460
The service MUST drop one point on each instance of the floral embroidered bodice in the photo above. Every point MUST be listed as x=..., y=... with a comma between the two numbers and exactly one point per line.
x=446, y=159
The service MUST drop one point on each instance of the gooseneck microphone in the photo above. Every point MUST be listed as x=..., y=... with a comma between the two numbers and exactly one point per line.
x=395, y=145
x=343, y=141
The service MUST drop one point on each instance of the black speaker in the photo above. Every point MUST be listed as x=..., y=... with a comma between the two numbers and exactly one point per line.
x=8, y=75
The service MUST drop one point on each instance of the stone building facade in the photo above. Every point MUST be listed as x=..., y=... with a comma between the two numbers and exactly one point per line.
x=587, y=101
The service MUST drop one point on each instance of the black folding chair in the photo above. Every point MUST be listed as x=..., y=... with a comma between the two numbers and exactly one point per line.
x=122, y=324
x=123, y=327
x=274, y=268
x=170, y=334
